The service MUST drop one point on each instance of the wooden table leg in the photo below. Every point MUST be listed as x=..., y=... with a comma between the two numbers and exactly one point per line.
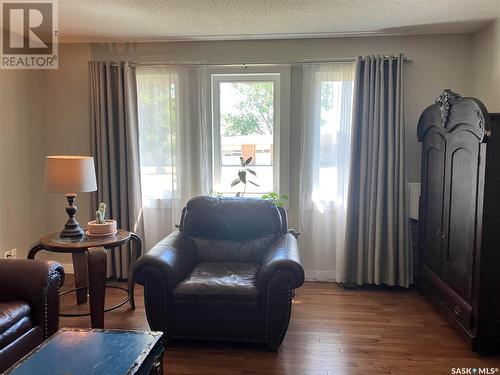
x=81, y=279
x=34, y=250
x=97, y=285
x=136, y=253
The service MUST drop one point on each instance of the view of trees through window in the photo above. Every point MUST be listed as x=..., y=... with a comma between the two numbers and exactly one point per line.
x=252, y=112
x=331, y=129
x=246, y=130
x=157, y=114
x=157, y=125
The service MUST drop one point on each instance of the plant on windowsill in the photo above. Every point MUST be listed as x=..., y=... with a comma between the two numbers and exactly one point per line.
x=243, y=176
x=215, y=194
x=277, y=199
x=280, y=201
x=100, y=227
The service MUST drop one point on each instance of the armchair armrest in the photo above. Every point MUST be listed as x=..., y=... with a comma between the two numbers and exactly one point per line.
x=36, y=282
x=282, y=255
x=174, y=257
x=159, y=271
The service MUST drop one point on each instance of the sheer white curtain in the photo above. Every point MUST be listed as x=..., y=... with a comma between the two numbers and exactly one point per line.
x=326, y=129
x=174, y=149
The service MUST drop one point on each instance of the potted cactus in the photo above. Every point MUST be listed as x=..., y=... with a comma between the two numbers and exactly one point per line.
x=100, y=227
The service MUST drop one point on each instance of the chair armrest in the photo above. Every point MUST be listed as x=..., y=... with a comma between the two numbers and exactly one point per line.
x=36, y=282
x=282, y=255
x=174, y=257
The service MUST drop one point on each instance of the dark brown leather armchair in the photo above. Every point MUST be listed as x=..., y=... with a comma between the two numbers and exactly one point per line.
x=227, y=274
x=29, y=306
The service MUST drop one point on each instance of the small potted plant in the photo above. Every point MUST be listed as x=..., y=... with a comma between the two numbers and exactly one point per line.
x=100, y=227
x=243, y=176
x=280, y=200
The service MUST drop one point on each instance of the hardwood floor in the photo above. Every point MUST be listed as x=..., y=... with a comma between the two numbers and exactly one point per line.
x=332, y=331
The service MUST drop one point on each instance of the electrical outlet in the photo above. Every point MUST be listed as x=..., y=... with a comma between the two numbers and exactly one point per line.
x=10, y=254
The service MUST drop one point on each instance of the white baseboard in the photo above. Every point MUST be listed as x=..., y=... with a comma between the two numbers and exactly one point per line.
x=314, y=275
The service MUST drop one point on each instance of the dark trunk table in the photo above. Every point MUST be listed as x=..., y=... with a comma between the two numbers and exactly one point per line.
x=95, y=351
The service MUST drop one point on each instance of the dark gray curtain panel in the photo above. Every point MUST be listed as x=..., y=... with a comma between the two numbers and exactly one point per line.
x=377, y=240
x=115, y=147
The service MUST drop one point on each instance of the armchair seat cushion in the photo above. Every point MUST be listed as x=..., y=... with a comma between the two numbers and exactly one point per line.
x=220, y=282
x=15, y=321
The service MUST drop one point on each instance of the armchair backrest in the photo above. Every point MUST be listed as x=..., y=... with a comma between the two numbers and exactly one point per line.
x=232, y=229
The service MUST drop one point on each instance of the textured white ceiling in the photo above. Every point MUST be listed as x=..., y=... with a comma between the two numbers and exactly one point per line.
x=142, y=20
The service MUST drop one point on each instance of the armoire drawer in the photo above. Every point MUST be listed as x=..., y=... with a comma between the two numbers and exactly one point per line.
x=447, y=298
x=460, y=309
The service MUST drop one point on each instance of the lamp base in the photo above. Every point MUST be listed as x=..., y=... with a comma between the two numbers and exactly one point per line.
x=71, y=232
x=71, y=228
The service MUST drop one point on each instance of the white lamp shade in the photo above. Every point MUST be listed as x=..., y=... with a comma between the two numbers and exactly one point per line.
x=70, y=174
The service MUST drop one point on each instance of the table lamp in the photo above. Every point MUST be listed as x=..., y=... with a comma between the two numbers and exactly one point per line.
x=70, y=175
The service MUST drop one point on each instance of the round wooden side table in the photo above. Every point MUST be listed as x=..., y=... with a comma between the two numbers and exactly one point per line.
x=89, y=263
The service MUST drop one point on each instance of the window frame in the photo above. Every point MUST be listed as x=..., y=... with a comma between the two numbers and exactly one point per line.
x=280, y=76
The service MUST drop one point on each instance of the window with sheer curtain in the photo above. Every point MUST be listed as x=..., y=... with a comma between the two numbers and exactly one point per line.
x=327, y=113
x=176, y=153
x=158, y=103
x=245, y=112
x=172, y=144
x=157, y=108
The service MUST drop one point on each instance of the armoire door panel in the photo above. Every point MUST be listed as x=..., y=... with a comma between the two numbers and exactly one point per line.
x=433, y=186
x=465, y=284
x=460, y=211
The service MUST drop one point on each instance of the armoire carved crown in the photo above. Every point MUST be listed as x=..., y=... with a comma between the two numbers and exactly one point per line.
x=449, y=110
x=445, y=101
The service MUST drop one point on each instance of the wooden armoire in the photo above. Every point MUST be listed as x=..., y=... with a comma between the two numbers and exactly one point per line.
x=459, y=229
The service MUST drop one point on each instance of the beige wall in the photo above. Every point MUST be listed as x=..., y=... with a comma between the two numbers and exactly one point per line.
x=56, y=120
x=43, y=112
x=486, y=66
x=21, y=144
x=67, y=127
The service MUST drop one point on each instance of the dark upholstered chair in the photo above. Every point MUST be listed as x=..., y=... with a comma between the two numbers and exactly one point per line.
x=29, y=306
x=227, y=274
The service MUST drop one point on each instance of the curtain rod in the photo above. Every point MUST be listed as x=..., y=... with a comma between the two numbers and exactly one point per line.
x=204, y=63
